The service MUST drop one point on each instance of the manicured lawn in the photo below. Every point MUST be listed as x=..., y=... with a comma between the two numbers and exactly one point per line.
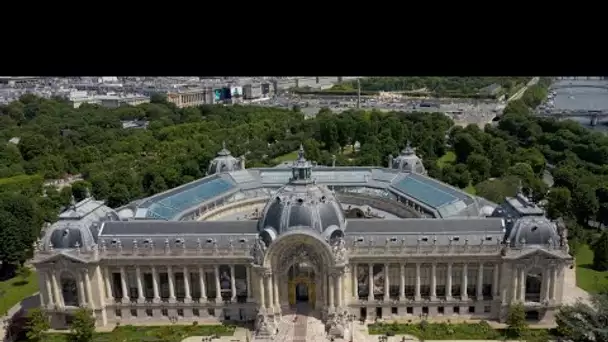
x=170, y=333
x=586, y=278
x=448, y=158
x=470, y=189
x=286, y=157
x=15, y=290
x=446, y=331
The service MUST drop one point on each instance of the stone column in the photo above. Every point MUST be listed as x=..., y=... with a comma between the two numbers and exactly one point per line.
x=552, y=279
x=218, y=289
x=275, y=283
x=465, y=279
x=188, y=296
x=202, y=285
x=448, y=283
x=401, y=282
x=248, y=280
x=514, y=284
x=270, y=289
x=82, y=300
x=262, y=296
x=89, y=290
x=340, y=291
x=355, y=282
x=171, y=277
x=49, y=289
x=232, y=284
x=123, y=285
x=140, y=288
x=434, y=281
x=58, y=298
x=417, y=295
x=386, y=283
x=544, y=288
x=107, y=281
x=332, y=291
x=522, y=284
x=325, y=290
x=155, y=285
x=480, y=281
x=370, y=297
x=495, y=282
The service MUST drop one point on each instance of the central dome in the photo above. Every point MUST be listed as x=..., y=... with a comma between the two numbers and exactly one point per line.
x=302, y=204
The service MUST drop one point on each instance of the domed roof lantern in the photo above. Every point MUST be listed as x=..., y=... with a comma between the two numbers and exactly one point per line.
x=224, y=151
x=301, y=169
x=408, y=150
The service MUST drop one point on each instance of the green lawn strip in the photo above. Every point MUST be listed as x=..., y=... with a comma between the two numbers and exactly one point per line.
x=130, y=333
x=286, y=157
x=446, y=331
x=587, y=278
x=448, y=158
x=15, y=290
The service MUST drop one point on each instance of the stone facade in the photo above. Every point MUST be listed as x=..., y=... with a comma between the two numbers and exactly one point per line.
x=301, y=249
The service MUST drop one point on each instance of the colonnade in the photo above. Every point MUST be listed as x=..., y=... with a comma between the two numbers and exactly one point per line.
x=433, y=286
x=171, y=282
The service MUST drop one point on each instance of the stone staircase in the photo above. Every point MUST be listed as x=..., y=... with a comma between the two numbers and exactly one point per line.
x=297, y=326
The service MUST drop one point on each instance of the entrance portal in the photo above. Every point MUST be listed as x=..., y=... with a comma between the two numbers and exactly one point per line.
x=301, y=292
x=302, y=285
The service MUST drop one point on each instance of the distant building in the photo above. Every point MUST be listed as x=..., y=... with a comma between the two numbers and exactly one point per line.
x=252, y=91
x=191, y=97
x=141, y=124
x=117, y=101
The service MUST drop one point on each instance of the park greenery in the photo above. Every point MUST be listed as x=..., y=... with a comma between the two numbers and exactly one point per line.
x=82, y=329
x=453, y=87
x=120, y=165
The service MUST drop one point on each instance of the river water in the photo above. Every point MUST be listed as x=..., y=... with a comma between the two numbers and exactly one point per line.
x=574, y=97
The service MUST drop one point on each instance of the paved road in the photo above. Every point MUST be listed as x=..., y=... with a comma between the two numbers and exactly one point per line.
x=521, y=92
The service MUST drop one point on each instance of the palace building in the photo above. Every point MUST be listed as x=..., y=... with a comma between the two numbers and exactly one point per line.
x=341, y=243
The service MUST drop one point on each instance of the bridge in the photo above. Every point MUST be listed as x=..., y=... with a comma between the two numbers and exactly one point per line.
x=564, y=86
x=593, y=115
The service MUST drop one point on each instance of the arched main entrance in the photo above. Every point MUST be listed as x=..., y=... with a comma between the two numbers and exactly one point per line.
x=302, y=285
x=300, y=259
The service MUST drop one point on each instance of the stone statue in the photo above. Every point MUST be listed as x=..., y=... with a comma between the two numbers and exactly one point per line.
x=339, y=250
x=258, y=251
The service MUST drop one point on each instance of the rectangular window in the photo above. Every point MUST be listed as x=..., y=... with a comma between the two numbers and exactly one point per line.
x=410, y=281
x=394, y=272
x=488, y=279
x=180, y=286
x=471, y=309
x=425, y=280
x=164, y=285
x=409, y=310
x=180, y=312
x=133, y=312
x=440, y=310
x=472, y=281
x=149, y=312
x=164, y=312
x=456, y=280
x=456, y=310
x=148, y=286
x=196, y=312
x=394, y=310
x=441, y=276
x=118, y=313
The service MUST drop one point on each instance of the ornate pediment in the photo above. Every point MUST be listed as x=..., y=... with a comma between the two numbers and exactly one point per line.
x=538, y=258
x=62, y=260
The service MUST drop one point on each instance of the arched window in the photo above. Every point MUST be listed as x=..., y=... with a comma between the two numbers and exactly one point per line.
x=69, y=290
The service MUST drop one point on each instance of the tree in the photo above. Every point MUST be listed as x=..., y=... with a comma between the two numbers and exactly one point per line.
x=83, y=326
x=479, y=166
x=586, y=204
x=37, y=325
x=585, y=322
x=516, y=321
x=80, y=190
x=600, y=253
x=20, y=224
x=559, y=202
